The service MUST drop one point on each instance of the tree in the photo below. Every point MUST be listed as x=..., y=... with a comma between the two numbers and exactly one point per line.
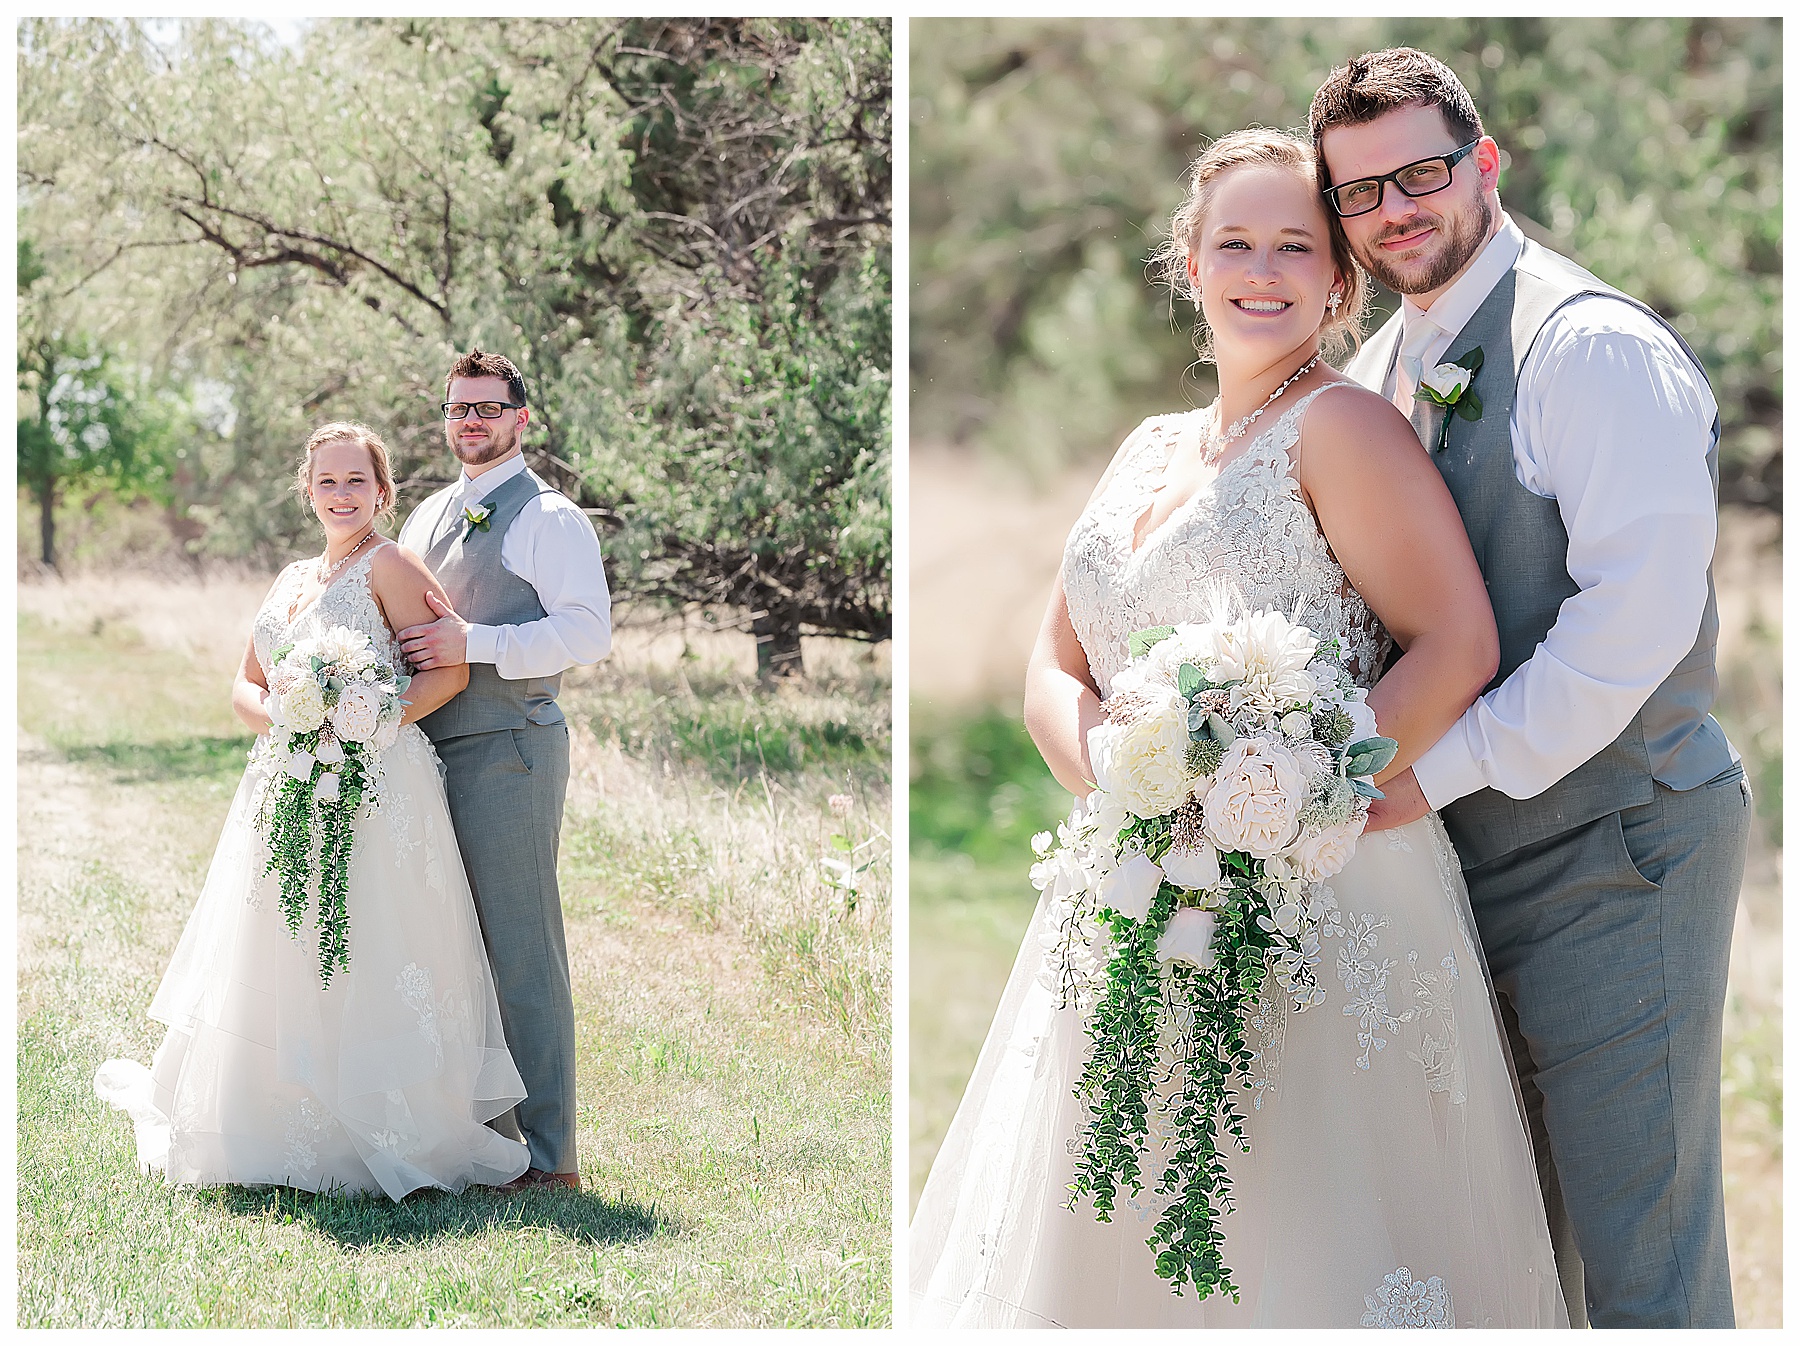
x=618, y=205
x=81, y=421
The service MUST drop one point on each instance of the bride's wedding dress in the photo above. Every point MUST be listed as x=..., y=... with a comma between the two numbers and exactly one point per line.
x=1390, y=1181
x=383, y=1081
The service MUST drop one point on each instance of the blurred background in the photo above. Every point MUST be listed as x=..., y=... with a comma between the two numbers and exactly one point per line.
x=1046, y=159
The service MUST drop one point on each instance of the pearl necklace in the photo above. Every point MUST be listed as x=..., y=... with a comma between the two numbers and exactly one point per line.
x=1215, y=447
x=325, y=575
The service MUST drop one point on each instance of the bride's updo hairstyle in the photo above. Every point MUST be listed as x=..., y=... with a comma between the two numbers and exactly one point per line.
x=355, y=433
x=1258, y=145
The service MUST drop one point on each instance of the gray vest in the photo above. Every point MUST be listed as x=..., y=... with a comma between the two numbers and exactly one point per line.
x=1522, y=548
x=467, y=561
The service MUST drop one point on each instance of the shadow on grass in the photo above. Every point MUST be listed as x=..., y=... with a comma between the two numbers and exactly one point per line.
x=165, y=759
x=369, y=1220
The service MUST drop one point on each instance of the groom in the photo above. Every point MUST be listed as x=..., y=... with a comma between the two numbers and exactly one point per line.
x=1599, y=811
x=523, y=570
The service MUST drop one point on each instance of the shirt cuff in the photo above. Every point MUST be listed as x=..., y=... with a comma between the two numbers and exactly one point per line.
x=484, y=645
x=1447, y=770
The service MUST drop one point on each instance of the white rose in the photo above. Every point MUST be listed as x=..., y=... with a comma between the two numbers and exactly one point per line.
x=1296, y=724
x=1321, y=852
x=357, y=714
x=386, y=736
x=1187, y=938
x=1362, y=719
x=329, y=751
x=1447, y=381
x=1256, y=796
x=303, y=707
x=300, y=765
x=1131, y=888
x=1143, y=764
x=1197, y=870
x=327, y=788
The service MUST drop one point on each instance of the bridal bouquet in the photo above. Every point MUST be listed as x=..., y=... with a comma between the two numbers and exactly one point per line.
x=1233, y=777
x=336, y=707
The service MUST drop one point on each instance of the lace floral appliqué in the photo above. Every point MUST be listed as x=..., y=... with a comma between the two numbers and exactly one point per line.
x=1400, y=1301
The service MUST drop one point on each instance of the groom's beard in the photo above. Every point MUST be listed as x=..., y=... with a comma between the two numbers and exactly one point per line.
x=1463, y=236
x=497, y=445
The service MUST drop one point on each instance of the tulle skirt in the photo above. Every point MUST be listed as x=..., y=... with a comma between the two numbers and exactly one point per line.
x=1390, y=1181
x=381, y=1082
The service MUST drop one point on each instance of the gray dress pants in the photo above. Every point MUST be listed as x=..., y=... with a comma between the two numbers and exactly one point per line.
x=1609, y=946
x=506, y=794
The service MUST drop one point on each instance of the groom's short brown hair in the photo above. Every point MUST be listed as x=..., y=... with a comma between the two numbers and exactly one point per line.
x=480, y=364
x=1377, y=82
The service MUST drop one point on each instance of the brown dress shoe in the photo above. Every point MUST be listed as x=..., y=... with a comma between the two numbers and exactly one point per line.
x=537, y=1177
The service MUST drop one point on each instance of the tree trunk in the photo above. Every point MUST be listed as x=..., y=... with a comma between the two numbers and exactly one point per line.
x=46, y=494
x=777, y=647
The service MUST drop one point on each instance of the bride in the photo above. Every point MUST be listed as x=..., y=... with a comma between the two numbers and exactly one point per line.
x=381, y=1082
x=1389, y=1180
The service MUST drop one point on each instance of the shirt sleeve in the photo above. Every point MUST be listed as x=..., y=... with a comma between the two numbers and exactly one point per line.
x=1613, y=422
x=553, y=548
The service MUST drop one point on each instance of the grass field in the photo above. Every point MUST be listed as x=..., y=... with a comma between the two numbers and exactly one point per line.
x=732, y=1003
x=979, y=790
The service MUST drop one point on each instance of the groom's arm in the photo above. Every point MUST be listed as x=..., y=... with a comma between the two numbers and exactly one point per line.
x=552, y=546
x=1615, y=423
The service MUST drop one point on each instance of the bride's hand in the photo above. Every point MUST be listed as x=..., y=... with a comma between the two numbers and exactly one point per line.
x=1402, y=802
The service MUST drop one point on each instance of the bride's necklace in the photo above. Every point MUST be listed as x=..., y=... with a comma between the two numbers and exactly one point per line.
x=325, y=574
x=1216, y=446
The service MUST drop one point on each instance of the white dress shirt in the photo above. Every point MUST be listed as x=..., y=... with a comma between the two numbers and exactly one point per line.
x=1612, y=421
x=553, y=548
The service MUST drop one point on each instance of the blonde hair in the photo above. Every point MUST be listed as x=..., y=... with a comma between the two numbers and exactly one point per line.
x=1258, y=145
x=353, y=432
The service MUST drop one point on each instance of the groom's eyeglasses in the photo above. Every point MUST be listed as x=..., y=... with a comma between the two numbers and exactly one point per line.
x=488, y=411
x=1420, y=178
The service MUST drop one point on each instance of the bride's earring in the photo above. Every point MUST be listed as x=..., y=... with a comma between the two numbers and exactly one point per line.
x=1336, y=299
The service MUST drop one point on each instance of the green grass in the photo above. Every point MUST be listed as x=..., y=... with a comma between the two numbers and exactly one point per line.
x=732, y=1023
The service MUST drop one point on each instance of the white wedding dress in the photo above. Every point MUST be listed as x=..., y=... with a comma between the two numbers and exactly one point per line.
x=1390, y=1181
x=380, y=1083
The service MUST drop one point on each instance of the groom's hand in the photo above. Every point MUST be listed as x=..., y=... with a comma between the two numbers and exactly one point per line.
x=440, y=644
x=1402, y=802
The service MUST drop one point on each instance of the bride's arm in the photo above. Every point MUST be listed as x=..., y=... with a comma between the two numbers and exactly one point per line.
x=400, y=581
x=1061, y=701
x=1395, y=530
x=249, y=691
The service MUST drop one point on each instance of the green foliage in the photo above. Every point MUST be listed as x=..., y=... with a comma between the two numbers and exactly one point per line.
x=1047, y=156
x=979, y=788
x=678, y=229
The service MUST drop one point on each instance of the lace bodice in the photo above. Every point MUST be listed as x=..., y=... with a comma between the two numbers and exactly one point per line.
x=1243, y=542
x=347, y=601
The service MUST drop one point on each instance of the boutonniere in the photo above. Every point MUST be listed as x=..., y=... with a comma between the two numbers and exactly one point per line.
x=1452, y=386
x=476, y=516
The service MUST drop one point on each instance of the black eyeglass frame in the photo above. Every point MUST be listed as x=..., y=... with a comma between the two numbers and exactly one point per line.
x=1450, y=161
x=476, y=408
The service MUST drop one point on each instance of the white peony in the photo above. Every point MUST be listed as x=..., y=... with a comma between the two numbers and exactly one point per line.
x=1143, y=764
x=303, y=707
x=1256, y=796
x=1187, y=938
x=1196, y=870
x=1321, y=852
x=386, y=736
x=1131, y=888
x=357, y=714
x=327, y=788
x=1266, y=656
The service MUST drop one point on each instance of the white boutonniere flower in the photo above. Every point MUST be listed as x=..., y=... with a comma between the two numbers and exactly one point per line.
x=1452, y=386
x=476, y=516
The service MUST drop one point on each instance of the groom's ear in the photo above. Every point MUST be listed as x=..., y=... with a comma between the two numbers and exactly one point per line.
x=1487, y=159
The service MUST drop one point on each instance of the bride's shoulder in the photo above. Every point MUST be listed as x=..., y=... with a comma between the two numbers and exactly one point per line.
x=1346, y=416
